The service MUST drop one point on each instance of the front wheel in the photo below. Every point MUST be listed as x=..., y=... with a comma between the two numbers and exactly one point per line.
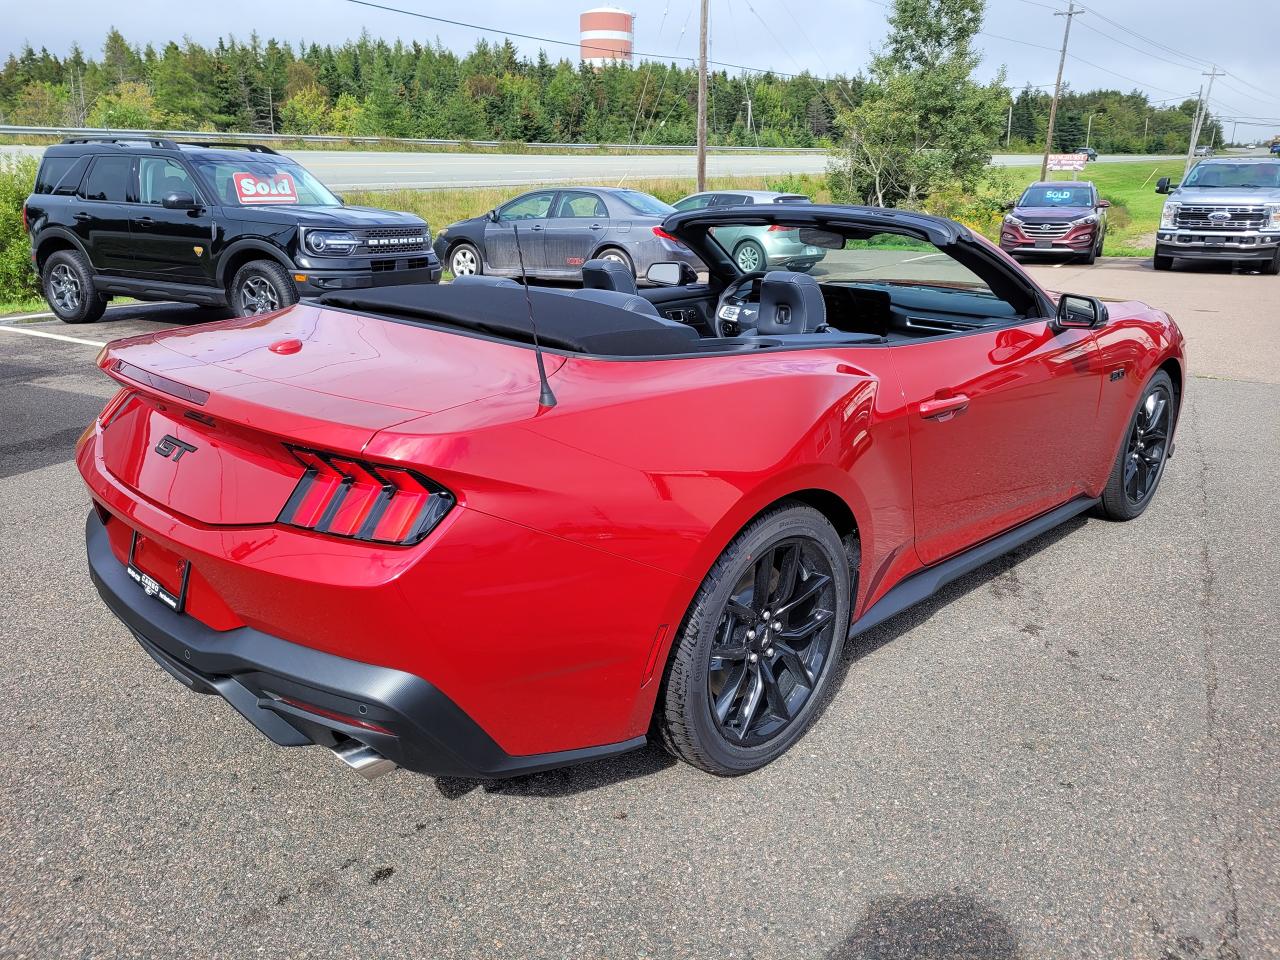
x=755, y=658
x=1162, y=261
x=1272, y=266
x=261, y=286
x=465, y=261
x=1140, y=464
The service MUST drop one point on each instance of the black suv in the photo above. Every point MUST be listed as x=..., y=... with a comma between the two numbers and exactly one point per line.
x=213, y=223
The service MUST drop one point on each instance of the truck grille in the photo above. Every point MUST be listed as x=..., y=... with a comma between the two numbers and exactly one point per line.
x=392, y=240
x=1222, y=218
x=1046, y=231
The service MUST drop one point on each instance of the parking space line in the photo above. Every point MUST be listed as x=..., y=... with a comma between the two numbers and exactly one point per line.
x=53, y=336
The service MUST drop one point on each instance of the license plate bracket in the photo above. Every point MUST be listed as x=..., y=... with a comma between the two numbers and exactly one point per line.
x=1044, y=244
x=154, y=588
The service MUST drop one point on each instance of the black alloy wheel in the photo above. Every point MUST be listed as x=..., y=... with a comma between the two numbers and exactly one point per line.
x=772, y=643
x=1141, y=462
x=753, y=663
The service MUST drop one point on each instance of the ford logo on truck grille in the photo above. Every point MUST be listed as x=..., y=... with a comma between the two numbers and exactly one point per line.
x=1220, y=216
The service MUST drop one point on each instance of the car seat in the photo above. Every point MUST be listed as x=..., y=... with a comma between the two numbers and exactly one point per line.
x=608, y=275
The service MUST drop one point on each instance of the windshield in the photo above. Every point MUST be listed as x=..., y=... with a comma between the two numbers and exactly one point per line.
x=1057, y=197
x=1235, y=175
x=253, y=181
x=644, y=204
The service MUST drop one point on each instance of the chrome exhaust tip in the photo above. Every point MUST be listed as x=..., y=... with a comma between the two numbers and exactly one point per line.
x=365, y=761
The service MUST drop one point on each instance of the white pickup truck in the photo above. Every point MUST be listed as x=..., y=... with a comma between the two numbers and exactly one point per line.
x=1228, y=208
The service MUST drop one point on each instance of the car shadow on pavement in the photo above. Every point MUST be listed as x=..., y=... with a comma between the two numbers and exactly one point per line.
x=938, y=927
x=566, y=781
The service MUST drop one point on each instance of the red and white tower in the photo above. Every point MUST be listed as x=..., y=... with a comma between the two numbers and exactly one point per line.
x=606, y=35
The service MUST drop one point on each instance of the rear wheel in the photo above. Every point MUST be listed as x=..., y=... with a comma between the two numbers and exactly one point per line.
x=754, y=662
x=617, y=256
x=465, y=261
x=1140, y=463
x=67, y=282
x=1162, y=261
x=749, y=256
x=261, y=286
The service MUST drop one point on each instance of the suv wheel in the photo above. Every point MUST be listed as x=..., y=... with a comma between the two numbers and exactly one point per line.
x=67, y=282
x=261, y=286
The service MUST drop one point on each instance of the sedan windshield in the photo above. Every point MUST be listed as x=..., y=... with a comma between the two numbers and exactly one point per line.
x=254, y=181
x=644, y=204
x=1057, y=197
x=1235, y=175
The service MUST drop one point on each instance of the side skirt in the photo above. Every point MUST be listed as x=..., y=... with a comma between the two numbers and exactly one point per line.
x=922, y=585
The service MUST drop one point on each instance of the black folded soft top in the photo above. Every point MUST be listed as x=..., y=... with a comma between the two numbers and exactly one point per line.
x=564, y=323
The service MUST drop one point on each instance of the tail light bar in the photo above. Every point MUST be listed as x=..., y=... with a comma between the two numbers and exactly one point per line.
x=344, y=497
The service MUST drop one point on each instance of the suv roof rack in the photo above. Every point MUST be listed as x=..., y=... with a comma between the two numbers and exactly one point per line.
x=251, y=147
x=161, y=142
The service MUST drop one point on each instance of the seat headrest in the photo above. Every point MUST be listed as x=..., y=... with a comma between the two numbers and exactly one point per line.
x=608, y=275
x=790, y=303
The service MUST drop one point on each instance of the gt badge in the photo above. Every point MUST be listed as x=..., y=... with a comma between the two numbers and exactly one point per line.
x=172, y=448
x=199, y=251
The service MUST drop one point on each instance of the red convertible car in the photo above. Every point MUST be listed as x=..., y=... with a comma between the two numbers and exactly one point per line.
x=398, y=524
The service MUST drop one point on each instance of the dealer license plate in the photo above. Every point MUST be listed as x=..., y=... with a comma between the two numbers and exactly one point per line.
x=1044, y=244
x=151, y=586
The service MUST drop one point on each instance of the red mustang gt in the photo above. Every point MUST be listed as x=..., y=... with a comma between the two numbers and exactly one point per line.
x=385, y=523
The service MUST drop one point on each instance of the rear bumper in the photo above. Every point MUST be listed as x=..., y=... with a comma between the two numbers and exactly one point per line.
x=401, y=716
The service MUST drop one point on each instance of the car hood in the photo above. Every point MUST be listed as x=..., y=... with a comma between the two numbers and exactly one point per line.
x=1052, y=214
x=329, y=216
x=1226, y=196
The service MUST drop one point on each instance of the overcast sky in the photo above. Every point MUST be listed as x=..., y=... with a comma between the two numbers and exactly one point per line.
x=824, y=36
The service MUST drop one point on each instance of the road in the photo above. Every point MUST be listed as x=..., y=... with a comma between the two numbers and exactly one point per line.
x=385, y=170
x=1068, y=754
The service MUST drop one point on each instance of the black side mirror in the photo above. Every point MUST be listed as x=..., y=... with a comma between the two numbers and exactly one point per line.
x=1079, y=312
x=1009, y=205
x=179, y=201
x=671, y=274
x=493, y=216
x=1162, y=185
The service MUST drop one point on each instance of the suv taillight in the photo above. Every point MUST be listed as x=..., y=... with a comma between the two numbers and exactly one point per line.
x=344, y=497
x=26, y=224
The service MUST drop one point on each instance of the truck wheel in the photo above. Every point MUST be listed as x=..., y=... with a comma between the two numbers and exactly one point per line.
x=261, y=286
x=67, y=283
x=1162, y=261
x=1272, y=266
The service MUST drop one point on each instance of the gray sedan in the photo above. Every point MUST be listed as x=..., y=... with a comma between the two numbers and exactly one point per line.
x=758, y=248
x=559, y=231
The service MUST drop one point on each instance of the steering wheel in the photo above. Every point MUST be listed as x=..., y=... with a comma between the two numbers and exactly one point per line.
x=732, y=292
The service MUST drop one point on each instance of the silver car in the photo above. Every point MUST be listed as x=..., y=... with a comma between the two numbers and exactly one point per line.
x=559, y=231
x=758, y=248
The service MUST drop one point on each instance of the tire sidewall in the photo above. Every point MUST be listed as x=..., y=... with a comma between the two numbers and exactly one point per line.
x=270, y=271
x=91, y=305
x=475, y=252
x=707, y=609
x=1116, y=502
x=745, y=244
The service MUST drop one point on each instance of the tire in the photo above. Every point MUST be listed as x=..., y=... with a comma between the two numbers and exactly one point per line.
x=67, y=284
x=789, y=679
x=617, y=255
x=750, y=257
x=1162, y=261
x=1145, y=449
x=1090, y=258
x=465, y=261
x=1272, y=266
x=261, y=286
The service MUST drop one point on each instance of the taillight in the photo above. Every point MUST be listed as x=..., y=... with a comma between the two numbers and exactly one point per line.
x=344, y=497
x=779, y=228
x=659, y=232
x=26, y=225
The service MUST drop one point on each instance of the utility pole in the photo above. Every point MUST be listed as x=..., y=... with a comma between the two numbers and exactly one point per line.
x=1088, y=134
x=1069, y=13
x=1146, y=125
x=702, y=100
x=1201, y=113
x=1008, y=130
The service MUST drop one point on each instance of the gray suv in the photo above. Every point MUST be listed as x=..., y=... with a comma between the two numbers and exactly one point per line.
x=1228, y=208
x=758, y=248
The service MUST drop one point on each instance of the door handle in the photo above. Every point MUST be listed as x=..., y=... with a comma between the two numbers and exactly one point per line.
x=535, y=228
x=943, y=408
x=595, y=226
x=82, y=216
x=144, y=221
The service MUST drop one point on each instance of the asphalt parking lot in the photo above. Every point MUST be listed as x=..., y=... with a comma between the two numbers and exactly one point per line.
x=1072, y=753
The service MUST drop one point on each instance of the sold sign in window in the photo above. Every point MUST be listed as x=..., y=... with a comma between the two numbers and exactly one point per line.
x=275, y=188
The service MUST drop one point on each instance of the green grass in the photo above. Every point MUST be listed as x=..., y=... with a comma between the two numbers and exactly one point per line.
x=9, y=308
x=1135, y=206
